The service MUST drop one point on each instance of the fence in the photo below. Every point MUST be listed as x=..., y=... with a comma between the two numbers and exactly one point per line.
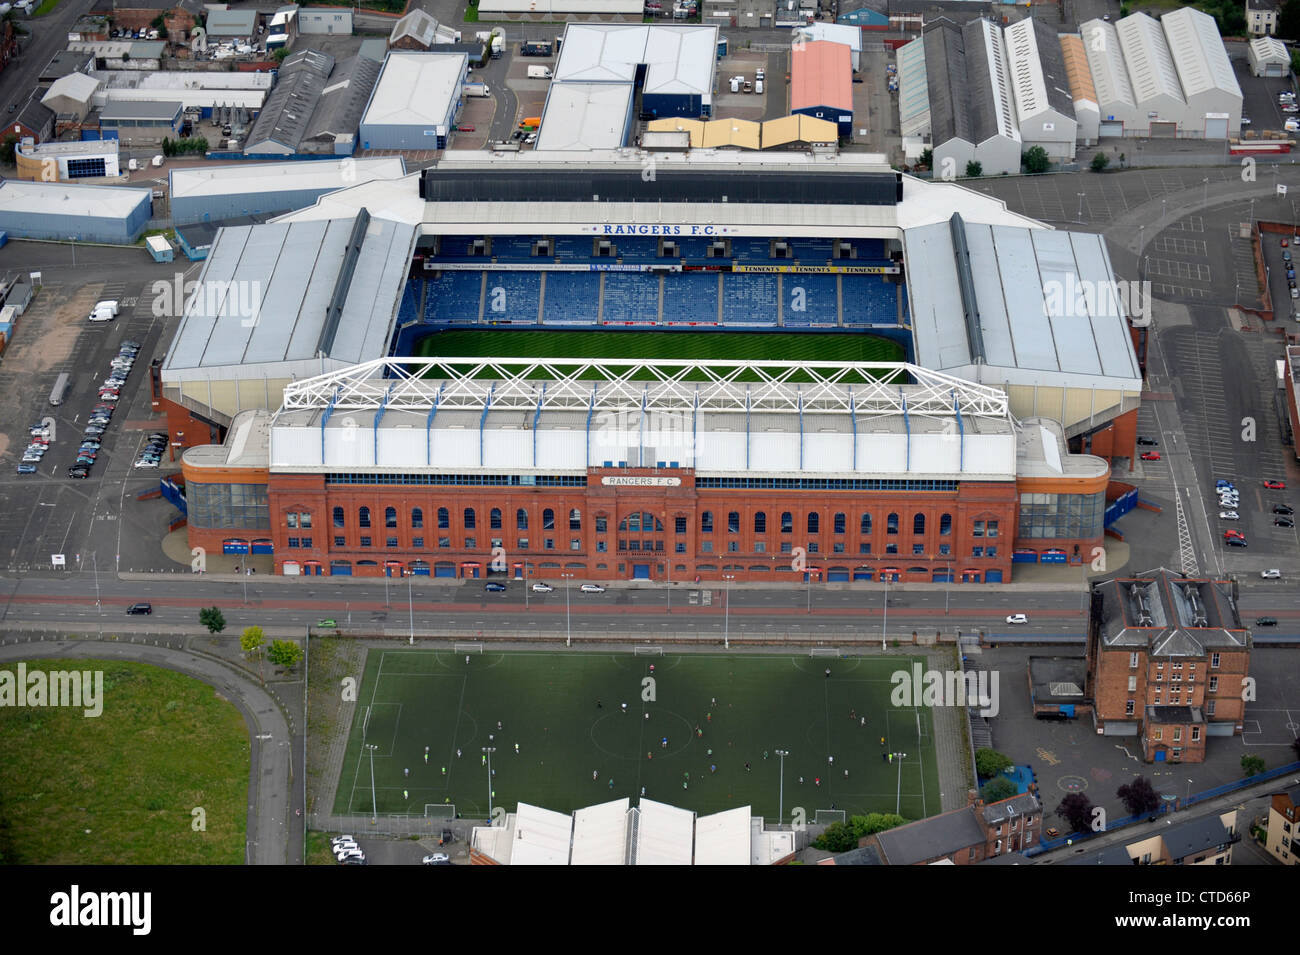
x=384, y=824
x=1047, y=845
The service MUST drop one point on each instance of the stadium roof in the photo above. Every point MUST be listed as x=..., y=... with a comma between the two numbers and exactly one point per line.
x=1011, y=304
x=293, y=176
x=723, y=838
x=541, y=836
x=416, y=88
x=278, y=300
x=821, y=74
x=600, y=834
x=1077, y=71
x=663, y=835
x=585, y=116
x=1150, y=62
x=1106, y=64
x=1198, y=52
x=70, y=200
x=1038, y=70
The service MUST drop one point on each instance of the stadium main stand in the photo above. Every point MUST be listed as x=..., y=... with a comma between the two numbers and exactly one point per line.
x=749, y=299
x=810, y=299
x=869, y=299
x=571, y=298
x=453, y=297
x=691, y=297
x=630, y=297
x=513, y=297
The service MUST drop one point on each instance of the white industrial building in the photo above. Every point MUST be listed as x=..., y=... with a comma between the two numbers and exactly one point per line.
x=842, y=33
x=62, y=162
x=325, y=21
x=586, y=116
x=972, y=111
x=1087, y=114
x=616, y=833
x=1169, y=78
x=192, y=89
x=1044, y=104
x=71, y=95
x=1268, y=57
x=558, y=9
x=415, y=101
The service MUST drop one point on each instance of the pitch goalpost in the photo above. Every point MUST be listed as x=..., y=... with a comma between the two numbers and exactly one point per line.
x=440, y=810
x=824, y=652
x=647, y=651
x=468, y=647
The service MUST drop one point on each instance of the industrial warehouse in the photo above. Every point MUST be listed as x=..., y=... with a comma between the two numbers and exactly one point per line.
x=745, y=390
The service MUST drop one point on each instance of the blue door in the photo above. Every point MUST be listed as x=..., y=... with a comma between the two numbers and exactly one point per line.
x=862, y=575
x=941, y=577
x=640, y=571
x=836, y=575
x=1160, y=756
x=444, y=570
x=234, y=546
x=341, y=568
x=993, y=577
x=263, y=546
x=420, y=569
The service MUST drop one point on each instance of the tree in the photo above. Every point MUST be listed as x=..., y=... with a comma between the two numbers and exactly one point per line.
x=1251, y=765
x=1295, y=61
x=837, y=838
x=284, y=653
x=281, y=53
x=998, y=789
x=7, y=150
x=1288, y=23
x=1295, y=745
x=989, y=762
x=213, y=619
x=1100, y=162
x=1076, y=810
x=1139, y=796
x=927, y=155
x=1036, y=160
x=872, y=823
x=252, y=639
x=974, y=169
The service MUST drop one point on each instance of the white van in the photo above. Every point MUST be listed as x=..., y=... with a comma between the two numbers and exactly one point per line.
x=133, y=164
x=758, y=87
x=104, y=311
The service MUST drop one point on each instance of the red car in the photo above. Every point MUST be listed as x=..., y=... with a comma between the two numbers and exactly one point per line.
x=1150, y=455
x=1275, y=485
x=1284, y=243
x=465, y=129
x=1228, y=534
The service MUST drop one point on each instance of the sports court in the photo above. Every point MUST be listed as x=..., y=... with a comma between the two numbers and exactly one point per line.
x=578, y=746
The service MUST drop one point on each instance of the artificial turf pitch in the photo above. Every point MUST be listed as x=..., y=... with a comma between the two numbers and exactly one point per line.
x=661, y=346
x=564, y=709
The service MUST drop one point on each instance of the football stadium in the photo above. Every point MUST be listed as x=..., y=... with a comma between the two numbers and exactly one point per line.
x=627, y=365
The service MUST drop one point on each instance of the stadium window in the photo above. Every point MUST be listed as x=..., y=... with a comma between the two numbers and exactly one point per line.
x=521, y=519
x=945, y=525
x=363, y=517
x=417, y=518
x=575, y=544
x=417, y=543
x=669, y=249
x=549, y=544
x=706, y=547
x=891, y=524
x=521, y=543
x=918, y=550
x=891, y=548
x=760, y=547
x=977, y=551
x=785, y=547
x=365, y=542
x=548, y=520
x=864, y=548
x=840, y=523
x=602, y=524
x=469, y=518
x=390, y=517
x=338, y=517
x=814, y=522
x=304, y=520
x=992, y=528
x=787, y=522
x=945, y=550
x=733, y=547
x=391, y=542
x=990, y=552
x=679, y=525
x=293, y=542
x=444, y=541
x=680, y=547
x=444, y=518
x=340, y=542
x=978, y=530
x=918, y=523
x=733, y=522
x=601, y=547
x=838, y=547
x=291, y=518
x=471, y=543
x=760, y=522
x=864, y=526
x=494, y=518
x=812, y=547
x=575, y=519
x=706, y=522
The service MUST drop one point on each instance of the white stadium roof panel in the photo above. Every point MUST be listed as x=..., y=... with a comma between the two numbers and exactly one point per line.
x=542, y=837
x=1106, y=62
x=1150, y=63
x=1071, y=333
x=1198, y=52
x=600, y=834
x=724, y=837
x=664, y=834
x=259, y=177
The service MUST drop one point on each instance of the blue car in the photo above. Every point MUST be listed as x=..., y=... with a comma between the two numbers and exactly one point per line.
x=26, y=469
x=494, y=588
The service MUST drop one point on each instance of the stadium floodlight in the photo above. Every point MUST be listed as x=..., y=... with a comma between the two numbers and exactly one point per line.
x=374, y=806
x=489, y=750
x=780, y=805
x=726, y=612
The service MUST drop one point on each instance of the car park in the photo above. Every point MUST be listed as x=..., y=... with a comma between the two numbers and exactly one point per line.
x=592, y=589
x=1229, y=516
x=1274, y=485
x=1271, y=574
x=540, y=588
x=1150, y=455
x=493, y=587
x=1018, y=618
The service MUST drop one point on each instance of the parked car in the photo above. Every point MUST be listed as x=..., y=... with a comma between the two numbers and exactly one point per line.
x=1236, y=542
x=27, y=468
x=1266, y=621
x=591, y=589
x=146, y=463
x=1148, y=442
x=1283, y=509
x=1150, y=455
x=1229, y=516
x=493, y=587
x=436, y=858
x=1275, y=485
x=1283, y=522
x=1271, y=574
x=1018, y=618
x=540, y=588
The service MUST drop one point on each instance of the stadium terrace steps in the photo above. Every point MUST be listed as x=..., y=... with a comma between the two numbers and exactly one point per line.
x=571, y=298
x=868, y=299
x=513, y=297
x=630, y=297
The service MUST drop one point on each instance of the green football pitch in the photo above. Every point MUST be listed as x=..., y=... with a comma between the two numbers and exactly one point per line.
x=660, y=346
x=577, y=746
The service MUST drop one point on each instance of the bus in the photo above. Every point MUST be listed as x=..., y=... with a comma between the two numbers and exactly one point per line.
x=60, y=389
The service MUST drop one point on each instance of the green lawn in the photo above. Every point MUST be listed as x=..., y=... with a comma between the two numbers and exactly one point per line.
x=662, y=346
x=546, y=702
x=120, y=788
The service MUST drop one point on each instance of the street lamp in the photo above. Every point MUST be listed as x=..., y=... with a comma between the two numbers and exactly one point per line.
x=726, y=611
x=374, y=806
x=1205, y=192
x=410, y=602
x=489, y=750
x=1080, y=214
x=780, y=806
x=73, y=240
x=568, y=626
x=1188, y=797
x=898, y=799
x=99, y=611
x=884, y=626
x=387, y=604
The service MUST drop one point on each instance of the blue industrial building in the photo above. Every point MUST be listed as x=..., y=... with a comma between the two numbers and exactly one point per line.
x=63, y=211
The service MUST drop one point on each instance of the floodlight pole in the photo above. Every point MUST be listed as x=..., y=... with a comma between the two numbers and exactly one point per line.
x=568, y=621
x=410, y=603
x=780, y=806
x=374, y=806
x=898, y=803
x=99, y=609
x=884, y=626
x=489, y=750
x=726, y=610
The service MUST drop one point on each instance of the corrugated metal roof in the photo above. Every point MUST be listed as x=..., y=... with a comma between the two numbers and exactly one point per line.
x=1077, y=72
x=68, y=199
x=945, y=66
x=289, y=107
x=1198, y=52
x=418, y=25
x=416, y=89
x=1106, y=64
x=987, y=70
x=821, y=74
x=913, y=89
x=75, y=86
x=585, y=116
x=231, y=22
x=1149, y=60
x=1269, y=49
x=1038, y=72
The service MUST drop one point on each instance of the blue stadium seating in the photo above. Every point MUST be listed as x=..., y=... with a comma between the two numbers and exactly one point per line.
x=518, y=300
x=572, y=298
x=512, y=248
x=695, y=249
x=409, y=309
x=751, y=249
x=749, y=299
x=631, y=297
x=812, y=251
x=691, y=297
x=638, y=248
x=456, y=248
x=453, y=297
x=869, y=250
x=573, y=247
x=869, y=299
x=815, y=293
